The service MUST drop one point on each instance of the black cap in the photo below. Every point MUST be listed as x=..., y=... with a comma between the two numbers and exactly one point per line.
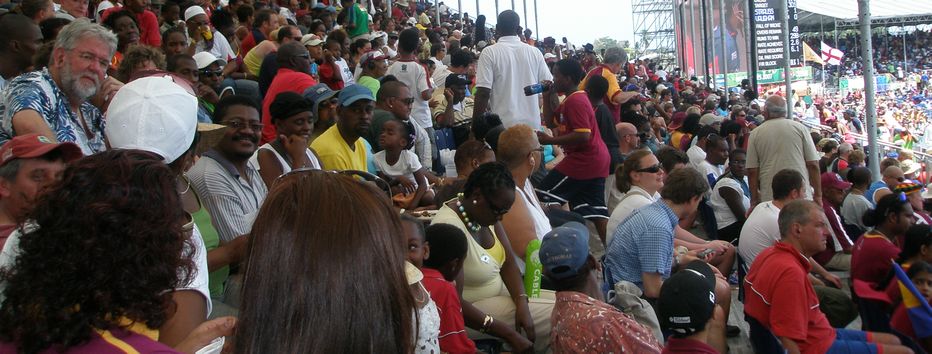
x=456, y=80
x=687, y=299
x=287, y=104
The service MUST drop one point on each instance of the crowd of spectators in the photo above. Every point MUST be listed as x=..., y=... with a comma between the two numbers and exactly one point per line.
x=346, y=177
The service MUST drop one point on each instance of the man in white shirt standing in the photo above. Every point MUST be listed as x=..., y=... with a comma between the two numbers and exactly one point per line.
x=410, y=72
x=505, y=68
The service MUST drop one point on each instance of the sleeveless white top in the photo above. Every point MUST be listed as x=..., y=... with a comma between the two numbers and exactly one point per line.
x=428, y=327
x=286, y=167
x=539, y=218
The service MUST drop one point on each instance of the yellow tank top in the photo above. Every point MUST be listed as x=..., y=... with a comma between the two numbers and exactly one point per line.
x=497, y=251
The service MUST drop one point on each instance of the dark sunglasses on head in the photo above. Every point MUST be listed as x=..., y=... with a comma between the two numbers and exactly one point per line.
x=210, y=73
x=650, y=169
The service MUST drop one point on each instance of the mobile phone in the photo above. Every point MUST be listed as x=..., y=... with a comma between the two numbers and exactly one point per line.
x=704, y=253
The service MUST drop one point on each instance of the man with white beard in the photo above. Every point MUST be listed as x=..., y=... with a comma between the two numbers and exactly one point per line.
x=55, y=102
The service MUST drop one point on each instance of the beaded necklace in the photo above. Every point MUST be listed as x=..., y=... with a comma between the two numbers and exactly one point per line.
x=472, y=226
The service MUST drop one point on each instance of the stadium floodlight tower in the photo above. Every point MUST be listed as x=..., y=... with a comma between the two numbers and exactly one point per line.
x=653, y=30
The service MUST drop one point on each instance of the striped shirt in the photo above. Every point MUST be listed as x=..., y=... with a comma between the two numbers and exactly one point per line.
x=231, y=199
x=643, y=243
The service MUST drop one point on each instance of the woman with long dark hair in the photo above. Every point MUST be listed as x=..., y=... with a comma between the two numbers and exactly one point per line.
x=102, y=265
x=326, y=271
x=493, y=297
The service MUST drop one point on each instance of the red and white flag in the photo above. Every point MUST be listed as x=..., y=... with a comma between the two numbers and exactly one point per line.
x=831, y=55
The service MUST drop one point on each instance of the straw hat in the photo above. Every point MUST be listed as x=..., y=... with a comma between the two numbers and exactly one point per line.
x=211, y=134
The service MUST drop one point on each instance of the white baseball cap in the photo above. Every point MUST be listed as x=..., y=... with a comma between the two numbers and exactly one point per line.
x=193, y=11
x=311, y=39
x=204, y=59
x=153, y=114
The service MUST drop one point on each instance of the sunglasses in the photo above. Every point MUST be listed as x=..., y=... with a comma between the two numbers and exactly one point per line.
x=210, y=73
x=650, y=169
x=408, y=101
x=537, y=149
x=496, y=211
x=359, y=176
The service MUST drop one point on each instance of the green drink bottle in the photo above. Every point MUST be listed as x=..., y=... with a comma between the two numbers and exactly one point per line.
x=533, y=270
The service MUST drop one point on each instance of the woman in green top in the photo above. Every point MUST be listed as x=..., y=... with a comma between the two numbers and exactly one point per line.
x=374, y=64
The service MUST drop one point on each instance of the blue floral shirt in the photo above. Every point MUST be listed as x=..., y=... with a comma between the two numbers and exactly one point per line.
x=38, y=92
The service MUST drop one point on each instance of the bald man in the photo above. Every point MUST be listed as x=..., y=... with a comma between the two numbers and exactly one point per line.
x=892, y=175
x=628, y=142
x=780, y=143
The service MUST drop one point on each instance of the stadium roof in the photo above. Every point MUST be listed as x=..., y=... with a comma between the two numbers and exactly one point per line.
x=883, y=12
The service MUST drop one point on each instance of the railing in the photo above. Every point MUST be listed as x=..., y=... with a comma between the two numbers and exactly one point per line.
x=918, y=156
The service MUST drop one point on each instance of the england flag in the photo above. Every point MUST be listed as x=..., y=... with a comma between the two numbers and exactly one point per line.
x=831, y=55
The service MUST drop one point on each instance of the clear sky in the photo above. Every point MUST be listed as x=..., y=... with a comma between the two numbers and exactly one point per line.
x=581, y=21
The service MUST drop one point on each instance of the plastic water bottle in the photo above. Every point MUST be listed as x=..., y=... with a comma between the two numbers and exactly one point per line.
x=534, y=89
x=533, y=270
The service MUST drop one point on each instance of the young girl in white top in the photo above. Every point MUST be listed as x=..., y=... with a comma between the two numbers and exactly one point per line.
x=398, y=164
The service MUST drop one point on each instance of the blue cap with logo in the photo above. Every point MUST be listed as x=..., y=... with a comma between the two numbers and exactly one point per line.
x=564, y=250
x=352, y=93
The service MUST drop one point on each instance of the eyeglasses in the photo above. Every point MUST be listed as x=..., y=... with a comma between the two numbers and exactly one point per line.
x=240, y=125
x=651, y=169
x=89, y=57
x=210, y=73
x=537, y=149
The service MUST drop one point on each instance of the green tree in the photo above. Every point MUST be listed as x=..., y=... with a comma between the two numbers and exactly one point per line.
x=606, y=42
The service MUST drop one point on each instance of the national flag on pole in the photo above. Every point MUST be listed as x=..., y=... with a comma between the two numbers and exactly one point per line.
x=917, y=308
x=810, y=55
x=831, y=55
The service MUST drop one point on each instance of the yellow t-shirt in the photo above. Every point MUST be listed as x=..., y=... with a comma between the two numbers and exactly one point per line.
x=335, y=153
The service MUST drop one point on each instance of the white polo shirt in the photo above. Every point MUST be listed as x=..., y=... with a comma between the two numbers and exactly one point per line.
x=506, y=68
x=759, y=232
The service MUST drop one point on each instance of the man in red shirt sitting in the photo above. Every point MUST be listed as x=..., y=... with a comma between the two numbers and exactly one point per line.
x=294, y=74
x=780, y=297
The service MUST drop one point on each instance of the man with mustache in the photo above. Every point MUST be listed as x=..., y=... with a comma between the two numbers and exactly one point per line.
x=54, y=102
x=228, y=185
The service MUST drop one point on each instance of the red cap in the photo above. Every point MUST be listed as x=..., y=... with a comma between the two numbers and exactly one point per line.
x=833, y=180
x=34, y=145
x=677, y=120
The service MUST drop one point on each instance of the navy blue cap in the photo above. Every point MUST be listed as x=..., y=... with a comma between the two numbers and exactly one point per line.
x=564, y=250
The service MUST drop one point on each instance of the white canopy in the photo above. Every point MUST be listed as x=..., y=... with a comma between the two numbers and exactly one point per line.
x=848, y=9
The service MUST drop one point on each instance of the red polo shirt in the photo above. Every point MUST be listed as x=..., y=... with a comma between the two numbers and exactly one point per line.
x=780, y=297
x=285, y=80
x=870, y=258
x=588, y=160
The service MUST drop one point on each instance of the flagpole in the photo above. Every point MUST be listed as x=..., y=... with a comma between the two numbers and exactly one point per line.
x=784, y=4
x=864, y=17
x=822, y=40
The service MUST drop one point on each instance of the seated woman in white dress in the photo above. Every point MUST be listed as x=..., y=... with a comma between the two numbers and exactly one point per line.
x=519, y=150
